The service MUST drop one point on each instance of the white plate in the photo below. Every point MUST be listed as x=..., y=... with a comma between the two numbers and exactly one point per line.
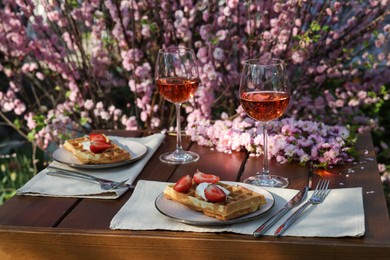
x=186, y=215
x=136, y=150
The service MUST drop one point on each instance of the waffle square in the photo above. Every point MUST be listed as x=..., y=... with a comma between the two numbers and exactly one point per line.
x=110, y=155
x=239, y=202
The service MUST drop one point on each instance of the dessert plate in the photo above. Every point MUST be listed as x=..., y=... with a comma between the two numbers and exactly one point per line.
x=183, y=214
x=136, y=150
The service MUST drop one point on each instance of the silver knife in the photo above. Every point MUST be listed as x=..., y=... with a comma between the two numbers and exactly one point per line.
x=79, y=175
x=295, y=201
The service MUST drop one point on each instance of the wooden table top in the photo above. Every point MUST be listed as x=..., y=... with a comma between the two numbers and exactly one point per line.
x=68, y=228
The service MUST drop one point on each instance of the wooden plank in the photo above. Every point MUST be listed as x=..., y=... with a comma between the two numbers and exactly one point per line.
x=35, y=211
x=157, y=170
x=296, y=173
x=226, y=166
x=117, y=132
x=94, y=213
x=90, y=244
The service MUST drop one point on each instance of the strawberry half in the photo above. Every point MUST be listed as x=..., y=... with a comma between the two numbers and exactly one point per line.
x=99, y=146
x=200, y=177
x=183, y=184
x=214, y=194
x=98, y=137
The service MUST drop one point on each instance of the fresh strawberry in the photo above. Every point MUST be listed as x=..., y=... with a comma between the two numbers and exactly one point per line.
x=99, y=146
x=200, y=177
x=183, y=184
x=98, y=137
x=214, y=194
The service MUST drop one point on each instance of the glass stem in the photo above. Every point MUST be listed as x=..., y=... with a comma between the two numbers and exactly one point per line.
x=179, y=147
x=265, y=149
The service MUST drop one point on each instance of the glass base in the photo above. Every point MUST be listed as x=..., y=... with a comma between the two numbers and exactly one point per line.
x=268, y=181
x=179, y=158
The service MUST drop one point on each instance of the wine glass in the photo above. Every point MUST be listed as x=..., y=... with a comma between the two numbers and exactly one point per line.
x=177, y=80
x=264, y=96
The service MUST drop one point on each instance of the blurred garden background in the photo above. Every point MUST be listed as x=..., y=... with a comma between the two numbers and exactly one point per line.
x=67, y=67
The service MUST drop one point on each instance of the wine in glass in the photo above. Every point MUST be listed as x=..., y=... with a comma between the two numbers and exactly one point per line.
x=177, y=80
x=264, y=96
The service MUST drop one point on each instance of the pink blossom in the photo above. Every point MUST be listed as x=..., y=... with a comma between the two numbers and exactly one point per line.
x=88, y=104
x=298, y=57
x=145, y=31
x=227, y=11
x=8, y=106
x=337, y=6
x=221, y=20
x=40, y=75
x=374, y=3
x=221, y=34
x=232, y=3
x=218, y=54
x=20, y=107
x=380, y=40
x=30, y=122
x=143, y=71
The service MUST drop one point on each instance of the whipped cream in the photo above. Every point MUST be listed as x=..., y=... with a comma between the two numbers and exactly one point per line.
x=86, y=145
x=202, y=186
x=200, y=189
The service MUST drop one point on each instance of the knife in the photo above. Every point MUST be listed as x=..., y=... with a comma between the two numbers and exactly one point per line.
x=79, y=175
x=295, y=201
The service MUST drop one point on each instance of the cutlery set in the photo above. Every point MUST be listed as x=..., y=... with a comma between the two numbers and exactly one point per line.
x=295, y=201
x=317, y=197
x=104, y=183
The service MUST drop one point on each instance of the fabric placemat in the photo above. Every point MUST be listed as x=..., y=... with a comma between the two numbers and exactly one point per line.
x=340, y=215
x=48, y=185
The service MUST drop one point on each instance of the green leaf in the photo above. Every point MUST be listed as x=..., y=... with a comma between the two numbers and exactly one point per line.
x=315, y=27
x=83, y=121
x=153, y=27
x=17, y=123
x=30, y=135
x=144, y=22
x=214, y=40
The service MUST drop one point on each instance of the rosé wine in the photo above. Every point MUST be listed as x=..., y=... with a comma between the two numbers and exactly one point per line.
x=265, y=106
x=177, y=90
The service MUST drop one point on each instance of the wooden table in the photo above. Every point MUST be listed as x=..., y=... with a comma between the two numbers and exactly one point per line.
x=67, y=228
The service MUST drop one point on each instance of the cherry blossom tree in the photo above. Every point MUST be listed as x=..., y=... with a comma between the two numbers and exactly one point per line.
x=71, y=66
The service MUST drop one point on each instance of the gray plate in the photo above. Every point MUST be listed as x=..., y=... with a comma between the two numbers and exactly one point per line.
x=186, y=215
x=136, y=150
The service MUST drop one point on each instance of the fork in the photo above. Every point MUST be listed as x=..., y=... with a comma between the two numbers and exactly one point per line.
x=318, y=197
x=104, y=184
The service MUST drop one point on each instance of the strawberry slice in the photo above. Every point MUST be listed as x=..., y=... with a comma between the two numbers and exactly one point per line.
x=183, y=184
x=200, y=177
x=214, y=194
x=98, y=137
x=99, y=146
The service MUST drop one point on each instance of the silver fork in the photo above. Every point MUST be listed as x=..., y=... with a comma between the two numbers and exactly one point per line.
x=318, y=197
x=104, y=184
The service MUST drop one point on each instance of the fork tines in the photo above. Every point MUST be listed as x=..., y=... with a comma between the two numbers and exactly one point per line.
x=322, y=189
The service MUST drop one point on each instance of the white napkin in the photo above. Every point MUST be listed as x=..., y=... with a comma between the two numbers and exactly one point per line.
x=340, y=215
x=48, y=185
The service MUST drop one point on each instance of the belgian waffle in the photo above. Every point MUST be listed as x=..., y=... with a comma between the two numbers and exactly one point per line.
x=239, y=202
x=110, y=155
